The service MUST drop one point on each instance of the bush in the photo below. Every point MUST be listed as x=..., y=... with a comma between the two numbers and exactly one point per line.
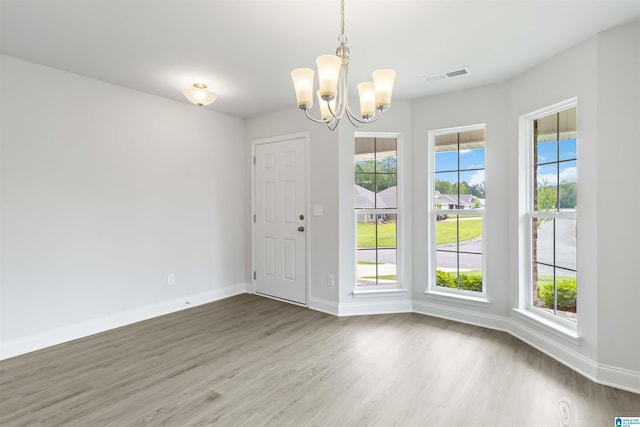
x=567, y=293
x=444, y=279
x=471, y=282
x=468, y=282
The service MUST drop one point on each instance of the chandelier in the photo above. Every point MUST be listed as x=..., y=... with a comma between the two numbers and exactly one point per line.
x=333, y=94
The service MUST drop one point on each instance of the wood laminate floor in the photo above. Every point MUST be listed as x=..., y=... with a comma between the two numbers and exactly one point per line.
x=251, y=361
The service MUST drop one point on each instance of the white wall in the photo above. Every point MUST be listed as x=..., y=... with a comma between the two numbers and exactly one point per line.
x=321, y=230
x=570, y=74
x=470, y=107
x=396, y=120
x=104, y=191
x=618, y=235
x=331, y=173
x=597, y=72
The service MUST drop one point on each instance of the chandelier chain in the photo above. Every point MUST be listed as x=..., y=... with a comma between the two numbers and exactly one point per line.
x=342, y=38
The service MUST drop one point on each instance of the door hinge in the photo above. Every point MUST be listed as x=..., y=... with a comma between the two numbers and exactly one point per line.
x=254, y=275
x=254, y=160
x=254, y=217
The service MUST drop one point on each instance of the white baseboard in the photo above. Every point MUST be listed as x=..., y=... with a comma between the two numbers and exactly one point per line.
x=554, y=349
x=612, y=376
x=602, y=374
x=461, y=315
x=375, y=306
x=624, y=379
x=56, y=336
x=323, y=305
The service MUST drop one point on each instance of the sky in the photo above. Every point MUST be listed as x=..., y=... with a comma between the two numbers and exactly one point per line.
x=474, y=159
x=470, y=161
x=555, y=173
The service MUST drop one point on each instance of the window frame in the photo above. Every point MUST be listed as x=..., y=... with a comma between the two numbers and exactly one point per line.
x=526, y=307
x=368, y=288
x=433, y=290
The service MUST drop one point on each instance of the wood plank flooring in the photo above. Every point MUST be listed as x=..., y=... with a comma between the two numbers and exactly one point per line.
x=252, y=361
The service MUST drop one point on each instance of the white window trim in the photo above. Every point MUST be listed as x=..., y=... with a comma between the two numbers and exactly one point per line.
x=433, y=291
x=370, y=290
x=526, y=310
x=367, y=292
x=566, y=332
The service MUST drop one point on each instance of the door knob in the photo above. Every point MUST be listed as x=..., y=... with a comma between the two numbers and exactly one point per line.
x=301, y=228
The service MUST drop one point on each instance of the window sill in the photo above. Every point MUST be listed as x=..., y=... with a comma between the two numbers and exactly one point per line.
x=457, y=298
x=378, y=293
x=565, y=332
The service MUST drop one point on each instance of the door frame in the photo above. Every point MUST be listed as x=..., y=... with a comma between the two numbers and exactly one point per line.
x=306, y=137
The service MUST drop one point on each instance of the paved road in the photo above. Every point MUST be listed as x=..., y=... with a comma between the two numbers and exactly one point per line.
x=565, y=250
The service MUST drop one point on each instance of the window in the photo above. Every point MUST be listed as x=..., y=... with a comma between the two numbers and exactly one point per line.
x=376, y=210
x=457, y=209
x=553, y=214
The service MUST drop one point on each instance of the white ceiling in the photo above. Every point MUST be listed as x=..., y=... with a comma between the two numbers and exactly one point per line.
x=244, y=50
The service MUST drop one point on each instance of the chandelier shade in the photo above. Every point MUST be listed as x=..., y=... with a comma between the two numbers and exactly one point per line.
x=367, y=100
x=383, y=85
x=303, y=84
x=328, y=73
x=333, y=91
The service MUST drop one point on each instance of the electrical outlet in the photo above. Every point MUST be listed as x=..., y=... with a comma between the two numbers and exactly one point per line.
x=331, y=280
x=171, y=279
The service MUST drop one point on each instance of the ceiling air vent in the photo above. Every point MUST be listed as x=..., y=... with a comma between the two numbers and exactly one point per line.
x=449, y=74
x=456, y=73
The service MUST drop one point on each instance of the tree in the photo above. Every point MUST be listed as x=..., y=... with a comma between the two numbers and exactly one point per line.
x=376, y=175
x=444, y=187
x=568, y=196
x=477, y=190
x=546, y=197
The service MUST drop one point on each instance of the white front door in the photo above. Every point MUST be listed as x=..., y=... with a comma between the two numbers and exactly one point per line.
x=280, y=235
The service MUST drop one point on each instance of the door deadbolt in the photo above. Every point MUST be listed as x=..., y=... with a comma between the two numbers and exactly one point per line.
x=301, y=216
x=301, y=228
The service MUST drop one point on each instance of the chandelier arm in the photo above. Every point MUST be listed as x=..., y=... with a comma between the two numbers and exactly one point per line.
x=354, y=122
x=344, y=108
x=343, y=94
x=353, y=117
x=306, y=111
x=336, y=115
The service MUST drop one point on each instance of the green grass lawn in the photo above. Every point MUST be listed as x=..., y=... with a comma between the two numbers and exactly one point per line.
x=367, y=235
x=446, y=231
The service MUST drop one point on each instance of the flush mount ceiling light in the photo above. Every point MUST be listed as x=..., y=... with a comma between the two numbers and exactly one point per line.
x=199, y=94
x=333, y=70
